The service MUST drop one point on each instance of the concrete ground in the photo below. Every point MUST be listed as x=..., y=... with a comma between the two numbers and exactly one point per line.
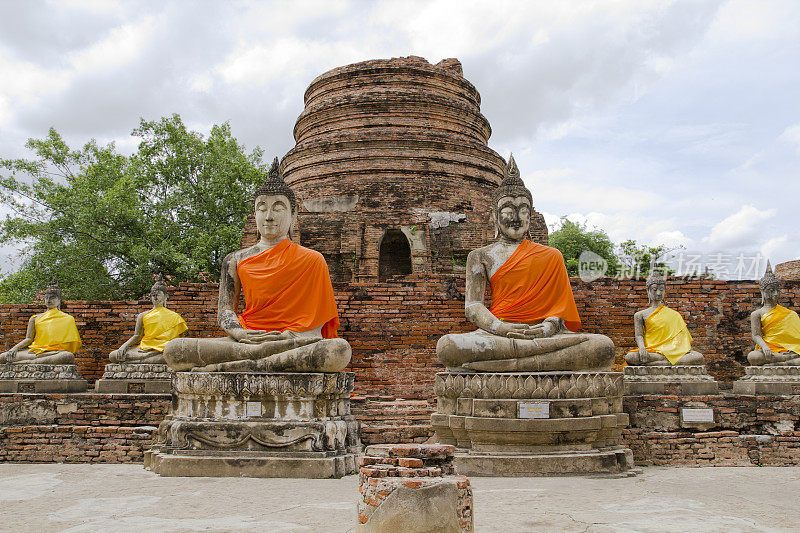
x=120, y=498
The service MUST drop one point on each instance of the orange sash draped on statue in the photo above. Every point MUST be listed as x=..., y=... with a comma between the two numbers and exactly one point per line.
x=288, y=287
x=533, y=285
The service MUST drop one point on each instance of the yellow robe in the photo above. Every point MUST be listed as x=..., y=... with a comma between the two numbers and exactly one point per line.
x=666, y=333
x=780, y=329
x=55, y=330
x=160, y=326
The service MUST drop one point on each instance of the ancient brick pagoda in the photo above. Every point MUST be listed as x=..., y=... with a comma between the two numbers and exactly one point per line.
x=393, y=169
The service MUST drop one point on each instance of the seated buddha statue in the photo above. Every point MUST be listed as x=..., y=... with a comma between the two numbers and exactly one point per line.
x=662, y=337
x=154, y=328
x=290, y=320
x=532, y=323
x=52, y=337
x=775, y=329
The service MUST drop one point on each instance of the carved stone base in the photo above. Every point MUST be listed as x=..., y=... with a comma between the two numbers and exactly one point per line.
x=611, y=460
x=31, y=377
x=135, y=378
x=258, y=425
x=677, y=379
x=536, y=423
x=782, y=380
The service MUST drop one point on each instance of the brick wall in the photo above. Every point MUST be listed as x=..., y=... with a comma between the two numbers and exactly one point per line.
x=748, y=430
x=393, y=327
x=78, y=428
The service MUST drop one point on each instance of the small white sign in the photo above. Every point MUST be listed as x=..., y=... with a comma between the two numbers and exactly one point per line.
x=697, y=415
x=253, y=409
x=534, y=409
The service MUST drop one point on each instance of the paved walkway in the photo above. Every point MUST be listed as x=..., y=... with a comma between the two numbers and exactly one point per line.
x=121, y=498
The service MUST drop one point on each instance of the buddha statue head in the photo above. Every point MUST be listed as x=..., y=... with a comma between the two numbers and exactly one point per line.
x=275, y=206
x=770, y=286
x=656, y=286
x=159, y=292
x=52, y=295
x=512, y=204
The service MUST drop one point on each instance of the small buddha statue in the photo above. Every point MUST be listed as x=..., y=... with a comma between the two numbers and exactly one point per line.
x=775, y=329
x=661, y=333
x=290, y=319
x=533, y=321
x=52, y=337
x=154, y=328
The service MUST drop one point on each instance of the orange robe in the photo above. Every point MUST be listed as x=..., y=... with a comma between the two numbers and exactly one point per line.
x=532, y=285
x=288, y=287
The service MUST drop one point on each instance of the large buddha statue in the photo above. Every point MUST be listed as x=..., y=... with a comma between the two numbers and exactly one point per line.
x=662, y=337
x=290, y=319
x=775, y=329
x=154, y=328
x=533, y=322
x=52, y=337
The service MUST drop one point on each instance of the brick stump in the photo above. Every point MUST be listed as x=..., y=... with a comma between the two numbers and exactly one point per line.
x=31, y=377
x=532, y=423
x=135, y=378
x=242, y=424
x=769, y=380
x=411, y=488
x=670, y=380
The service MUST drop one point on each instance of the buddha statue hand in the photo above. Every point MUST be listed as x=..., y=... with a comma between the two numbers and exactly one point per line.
x=258, y=336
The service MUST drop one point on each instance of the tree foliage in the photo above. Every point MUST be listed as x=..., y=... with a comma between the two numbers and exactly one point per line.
x=103, y=222
x=573, y=238
x=638, y=260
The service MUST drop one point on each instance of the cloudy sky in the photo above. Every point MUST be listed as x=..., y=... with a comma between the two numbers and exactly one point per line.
x=669, y=122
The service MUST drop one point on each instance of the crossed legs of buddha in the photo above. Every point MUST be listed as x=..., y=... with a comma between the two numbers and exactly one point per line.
x=481, y=351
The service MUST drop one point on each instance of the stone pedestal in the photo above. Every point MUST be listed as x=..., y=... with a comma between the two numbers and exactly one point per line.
x=31, y=377
x=536, y=423
x=135, y=378
x=769, y=380
x=677, y=379
x=242, y=424
x=410, y=488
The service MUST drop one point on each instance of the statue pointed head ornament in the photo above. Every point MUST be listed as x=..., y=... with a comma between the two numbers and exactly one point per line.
x=53, y=289
x=512, y=184
x=769, y=279
x=274, y=185
x=159, y=285
x=656, y=276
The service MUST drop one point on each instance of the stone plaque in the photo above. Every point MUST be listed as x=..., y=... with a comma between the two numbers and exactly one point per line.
x=26, y=387
x=697, y=415
x=135, y=387
x=534, y=409
x=253, y=409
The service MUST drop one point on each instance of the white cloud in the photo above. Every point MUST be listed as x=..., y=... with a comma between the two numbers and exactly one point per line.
x=122, y=45
x=742, y=229
x=791, y=135
x=782, y=248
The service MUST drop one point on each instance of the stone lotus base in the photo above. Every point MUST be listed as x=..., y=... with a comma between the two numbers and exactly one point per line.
x=537, y=423
x=240, y=424
x=769, y=380
x=135, y=378
x=677, y=379
x=31, y=377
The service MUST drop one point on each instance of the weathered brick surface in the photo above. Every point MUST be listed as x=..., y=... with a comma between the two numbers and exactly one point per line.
x=790, y=270
x=748, y=430
x=78, y=428
x=403, y=139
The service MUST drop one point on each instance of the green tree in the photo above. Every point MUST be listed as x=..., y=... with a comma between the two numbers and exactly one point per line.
x=638, y=260
x=573, y=238
x=103, y=222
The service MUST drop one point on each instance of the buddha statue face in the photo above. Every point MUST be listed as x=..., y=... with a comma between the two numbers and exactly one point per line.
x=512, y=216
x=273, y=215
x=771, y=293
x=656, y=291
x=158, y=297
x=52, y=300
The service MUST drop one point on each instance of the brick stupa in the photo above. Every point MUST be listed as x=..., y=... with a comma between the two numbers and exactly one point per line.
x=393, y=170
